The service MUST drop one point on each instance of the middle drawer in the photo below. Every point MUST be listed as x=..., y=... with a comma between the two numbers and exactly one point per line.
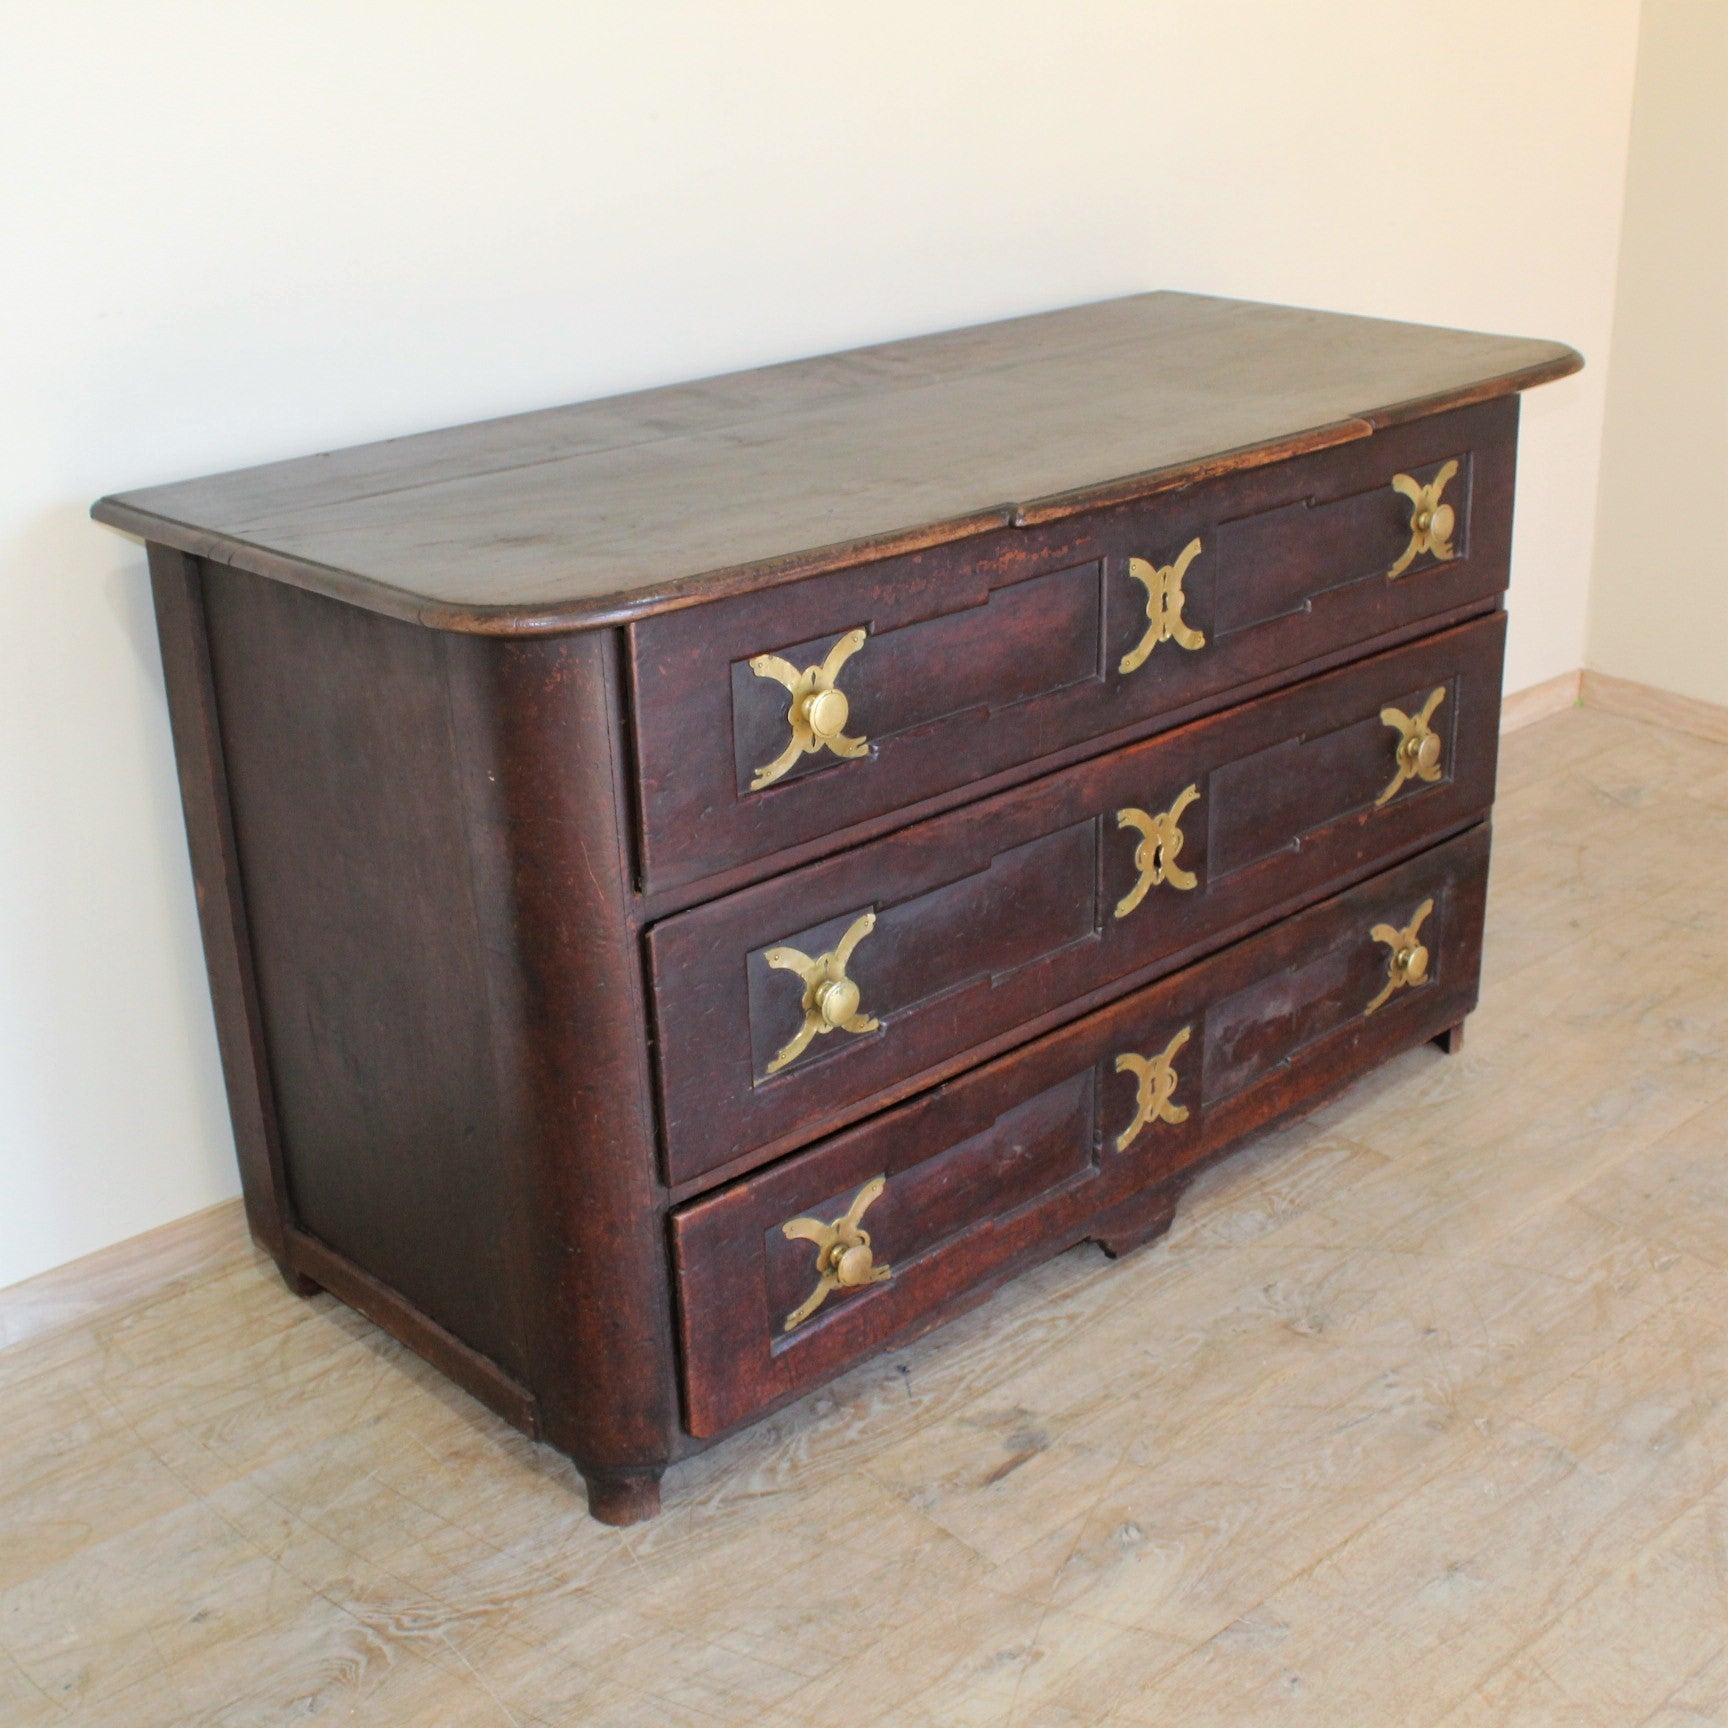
x=792, y=1007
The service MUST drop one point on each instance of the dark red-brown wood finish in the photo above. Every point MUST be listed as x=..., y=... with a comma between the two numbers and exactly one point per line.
x=974, y=665
x=469, y=737
x=1028, y=1154
x=993, y=920
x=607, y=511
x=449, y=1001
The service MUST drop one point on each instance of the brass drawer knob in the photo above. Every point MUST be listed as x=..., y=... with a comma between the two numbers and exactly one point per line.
x=831, y=999
x=836, y=1000
x=1160, y=846
x=855, y=1266
x=818, y=711
x=1416, y=756
x=1420, y=756
x=1407, y=963
x=825, y=712
x=1164, y=602
x=1431, y=522
x=845, y=1259
x=1157, y=1079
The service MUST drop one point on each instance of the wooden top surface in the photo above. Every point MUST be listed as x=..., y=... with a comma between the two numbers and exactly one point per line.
x=611, y=509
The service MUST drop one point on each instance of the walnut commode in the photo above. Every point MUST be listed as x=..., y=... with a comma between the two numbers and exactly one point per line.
x=701, y=887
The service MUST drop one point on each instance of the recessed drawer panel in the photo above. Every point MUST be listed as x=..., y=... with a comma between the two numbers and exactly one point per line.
x=784, y=718
x=871, y=1237
x=795, y=1005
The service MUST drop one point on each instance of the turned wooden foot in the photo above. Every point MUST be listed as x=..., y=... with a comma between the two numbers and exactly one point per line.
x=298, y=1283
x=1142, y=1220
x=1452, y=1039
x=622, y=1496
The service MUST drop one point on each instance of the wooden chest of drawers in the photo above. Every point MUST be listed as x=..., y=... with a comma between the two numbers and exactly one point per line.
x=699, y=887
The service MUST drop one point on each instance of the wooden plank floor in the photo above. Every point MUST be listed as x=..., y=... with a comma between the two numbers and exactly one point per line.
x=1420, y=1416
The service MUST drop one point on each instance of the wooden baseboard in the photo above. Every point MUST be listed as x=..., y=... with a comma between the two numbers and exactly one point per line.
x=1633, y=701
x=1610, y=695
x=130, y=1271
x=1551, y=696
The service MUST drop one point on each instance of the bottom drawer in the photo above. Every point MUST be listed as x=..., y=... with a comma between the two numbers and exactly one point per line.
x=868, y=1238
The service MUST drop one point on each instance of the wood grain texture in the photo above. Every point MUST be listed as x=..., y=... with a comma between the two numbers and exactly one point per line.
x=1015, y=1160
x=352, y=839
x=139, y=1269
x=384, y=1305
x=569, y=1014
x=443, y=997
x=617, y=508
x=436, y=879
x=200, y=757
x=1001, y=917
x=662, y=902
x=1009, y=647
x=1418, y=1415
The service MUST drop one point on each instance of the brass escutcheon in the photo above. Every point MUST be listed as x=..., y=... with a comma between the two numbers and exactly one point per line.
x=844, y=1260
x=818, y=713
x=830, y=997
x=1417, y=754
x=1431, y=522
x=1407, y=964
x=1160, y=845
x=1164, y=601
x=1157, y=1082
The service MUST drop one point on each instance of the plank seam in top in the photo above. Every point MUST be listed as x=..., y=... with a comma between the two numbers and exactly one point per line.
x=1074, y=388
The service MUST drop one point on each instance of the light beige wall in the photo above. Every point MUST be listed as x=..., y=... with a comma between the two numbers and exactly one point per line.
x=236, y=232
x=1659, y=597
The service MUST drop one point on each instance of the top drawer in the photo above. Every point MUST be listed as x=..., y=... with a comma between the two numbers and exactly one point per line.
x=973, y=659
